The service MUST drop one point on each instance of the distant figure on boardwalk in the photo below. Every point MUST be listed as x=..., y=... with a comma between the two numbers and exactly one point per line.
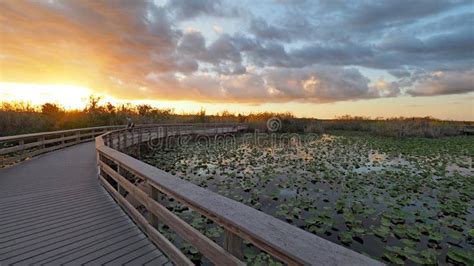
x=130, y=123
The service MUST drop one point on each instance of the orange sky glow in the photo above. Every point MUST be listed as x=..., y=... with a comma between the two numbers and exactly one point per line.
x=76, y=97
x=169, y=56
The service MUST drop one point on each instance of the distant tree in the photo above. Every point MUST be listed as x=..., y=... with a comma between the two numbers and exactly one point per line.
x=201, y=116
x=226, y=113
x=110, y=108
x=144, y=109
x=93, y=104
x=51, y=109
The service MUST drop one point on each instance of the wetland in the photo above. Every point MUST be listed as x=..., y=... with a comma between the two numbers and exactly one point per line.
x=400, y=201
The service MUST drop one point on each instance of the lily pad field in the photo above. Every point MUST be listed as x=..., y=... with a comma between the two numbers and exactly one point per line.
x=400, y=201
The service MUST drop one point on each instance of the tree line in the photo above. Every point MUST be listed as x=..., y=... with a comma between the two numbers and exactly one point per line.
x=20, y=118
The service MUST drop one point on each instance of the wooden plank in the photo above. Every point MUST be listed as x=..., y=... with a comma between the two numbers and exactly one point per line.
x=89, y=245
x=50, y=220
x=132, y=255
x=159, y=261
x=92, y=250
x=153, y=196
x=282, y=240
x=52, y=239
x=144, y=258
x=156, y=237
x=234, y=244
x=130, y=247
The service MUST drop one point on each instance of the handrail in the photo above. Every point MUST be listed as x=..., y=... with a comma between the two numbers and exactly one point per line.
x=49, y=133
x=287, y=243
x=18, y=147
x=468, y=129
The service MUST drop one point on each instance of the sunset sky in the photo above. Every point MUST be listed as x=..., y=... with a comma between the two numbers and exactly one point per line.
x=314, y=58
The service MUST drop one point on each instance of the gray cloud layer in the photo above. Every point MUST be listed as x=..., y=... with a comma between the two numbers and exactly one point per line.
x=306, y=51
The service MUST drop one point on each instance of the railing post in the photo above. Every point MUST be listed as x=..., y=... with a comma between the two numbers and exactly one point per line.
x=153, y=194
x=98, y=160
x=120, y=136
x=140, y=139
x=166, y=134
x=124, y=133
x=21, y=142
x=62, y=139
x=43, y=146
x=124, y=140
x=78, y=136
x=233, y=243
x=120, y=190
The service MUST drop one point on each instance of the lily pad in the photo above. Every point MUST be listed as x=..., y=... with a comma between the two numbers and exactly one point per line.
x=461, y=256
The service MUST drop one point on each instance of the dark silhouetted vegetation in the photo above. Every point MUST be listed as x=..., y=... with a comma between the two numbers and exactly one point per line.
x=19, y=118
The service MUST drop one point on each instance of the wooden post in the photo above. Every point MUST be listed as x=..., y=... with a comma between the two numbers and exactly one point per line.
x=78, y=136
x=62, y=139
x=153, y=194
x=121, y=145
x=22, y=147
x=124, y=140
x=124, y=133
x=120, y=190
x=140, y=139
x=233, y=243
x=165, y=138
x=42, y=142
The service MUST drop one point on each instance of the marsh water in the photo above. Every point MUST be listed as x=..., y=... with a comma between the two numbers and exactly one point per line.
x=408, y=201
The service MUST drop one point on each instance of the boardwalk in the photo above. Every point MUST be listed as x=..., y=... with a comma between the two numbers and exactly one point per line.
x=54, y=211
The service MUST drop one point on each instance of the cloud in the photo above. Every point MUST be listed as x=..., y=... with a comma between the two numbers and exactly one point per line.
x=193, y=44
x=85, y=42
x=312, y=84
x=223, y=49
x=444, y=83
x=185, y=10
x=298, y=28
x=217, y=29
x=320, y=84
x=402, y=42
x=376, y=14
x=268, y=52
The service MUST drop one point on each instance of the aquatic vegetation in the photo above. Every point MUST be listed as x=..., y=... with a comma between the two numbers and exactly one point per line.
x=400, y=201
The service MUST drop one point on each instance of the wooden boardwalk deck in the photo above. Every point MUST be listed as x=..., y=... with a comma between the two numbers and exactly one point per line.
x=54, y=211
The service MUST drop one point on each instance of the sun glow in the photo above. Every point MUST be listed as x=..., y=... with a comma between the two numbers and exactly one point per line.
x=69, y=96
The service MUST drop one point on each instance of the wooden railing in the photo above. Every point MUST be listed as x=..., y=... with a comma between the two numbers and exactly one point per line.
x=281, y=240
x=469, y=129
x=20, y=147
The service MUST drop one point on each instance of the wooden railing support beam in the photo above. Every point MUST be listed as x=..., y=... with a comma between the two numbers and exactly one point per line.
x=153, y=194
x=234, y=244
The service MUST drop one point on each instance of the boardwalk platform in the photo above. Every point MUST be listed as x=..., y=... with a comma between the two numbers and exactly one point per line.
x=54, y=211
